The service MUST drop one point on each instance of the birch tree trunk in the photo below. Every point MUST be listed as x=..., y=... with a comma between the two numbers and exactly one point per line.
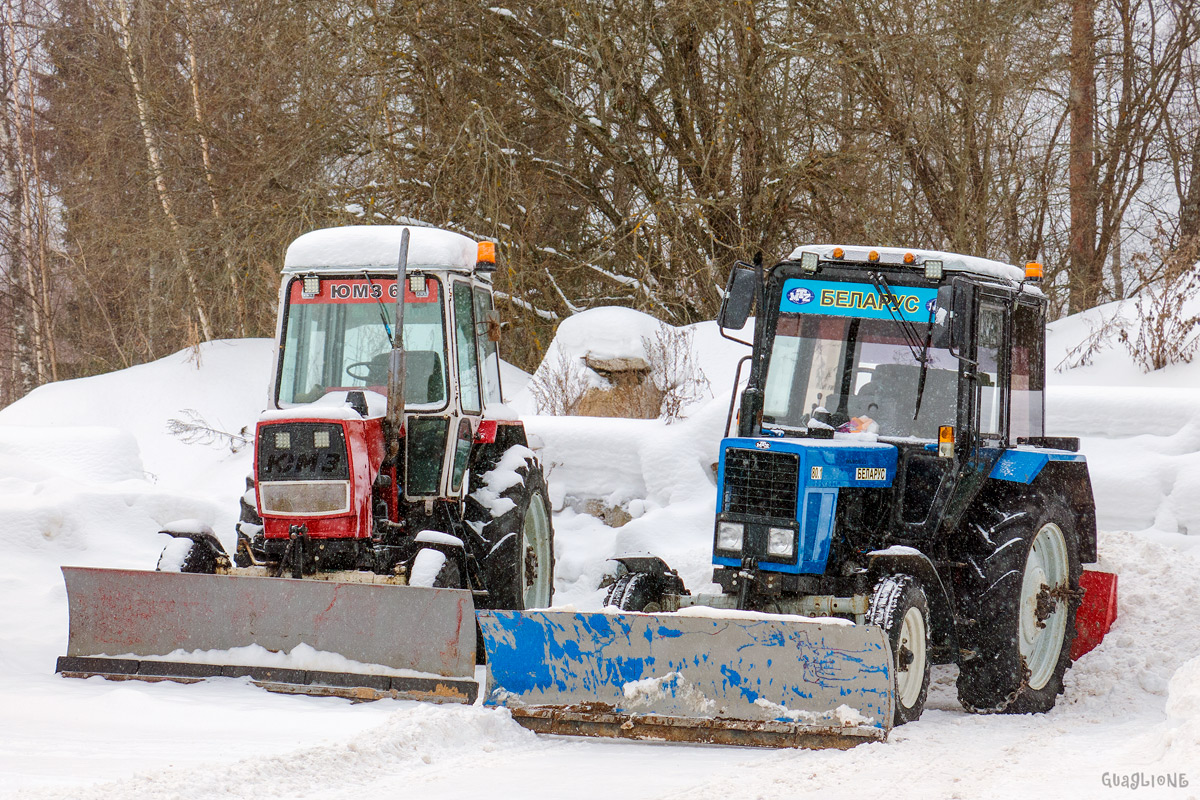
x=206, y=160
x=154, y=157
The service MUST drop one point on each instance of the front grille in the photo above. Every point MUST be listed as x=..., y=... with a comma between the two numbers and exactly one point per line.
x=302, y=451
x=761, y=483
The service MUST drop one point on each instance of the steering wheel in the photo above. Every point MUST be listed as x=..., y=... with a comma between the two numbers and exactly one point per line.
x=363, y=371
x=833, y=419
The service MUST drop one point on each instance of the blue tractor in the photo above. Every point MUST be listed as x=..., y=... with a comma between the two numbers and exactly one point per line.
x=890, y=469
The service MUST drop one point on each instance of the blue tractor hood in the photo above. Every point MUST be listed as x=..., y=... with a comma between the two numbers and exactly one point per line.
x=771, y=483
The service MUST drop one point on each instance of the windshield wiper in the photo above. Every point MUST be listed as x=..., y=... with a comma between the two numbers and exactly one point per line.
x=924, y=370
x=382, y=309
x=918, y=349
x=892, y=304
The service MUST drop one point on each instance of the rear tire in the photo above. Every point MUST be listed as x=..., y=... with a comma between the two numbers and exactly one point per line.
x=520, y=568
x=1024, y=607
x=635, y=591
x=899, y=606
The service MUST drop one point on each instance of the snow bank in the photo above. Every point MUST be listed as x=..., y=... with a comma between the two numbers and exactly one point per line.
x=84, y=453
x=1139, y=431
x=604, y=333
x=225, y=381
x=622, y=333
x=660, y=475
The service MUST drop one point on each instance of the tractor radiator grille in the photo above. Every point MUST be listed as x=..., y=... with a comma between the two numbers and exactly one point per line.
x=761, y=483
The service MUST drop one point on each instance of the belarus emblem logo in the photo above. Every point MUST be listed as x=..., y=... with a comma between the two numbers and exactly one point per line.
x=800, y=296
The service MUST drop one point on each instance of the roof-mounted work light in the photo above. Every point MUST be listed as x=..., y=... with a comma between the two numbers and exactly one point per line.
x=933, y=269
x=311, y=287
x=809, y=261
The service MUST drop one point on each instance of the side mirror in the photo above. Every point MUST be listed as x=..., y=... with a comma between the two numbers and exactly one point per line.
x=952, y=318
x=739, y=297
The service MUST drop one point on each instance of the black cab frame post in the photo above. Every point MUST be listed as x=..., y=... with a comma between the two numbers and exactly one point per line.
x=396, y=365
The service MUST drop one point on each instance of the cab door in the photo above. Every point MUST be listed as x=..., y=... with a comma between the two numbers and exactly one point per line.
x=467, y=410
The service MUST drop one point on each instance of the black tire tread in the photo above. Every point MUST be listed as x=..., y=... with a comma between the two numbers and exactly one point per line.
x=633, y=591
x=503, y=593
x=994, y=681
x=891, y=600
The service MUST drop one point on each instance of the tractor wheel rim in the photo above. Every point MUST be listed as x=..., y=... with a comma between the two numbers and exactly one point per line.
x=912, y=637
x=535, y=555
x=1047, y=570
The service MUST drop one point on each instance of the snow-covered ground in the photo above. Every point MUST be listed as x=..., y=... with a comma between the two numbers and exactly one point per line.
x=88, y=473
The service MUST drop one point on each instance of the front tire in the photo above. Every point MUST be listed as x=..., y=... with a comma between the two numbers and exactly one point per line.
x=899, y=606
x=1024, y=610
x=249, y=530
x=635, y=591
x=434, y=569
x=185, y=555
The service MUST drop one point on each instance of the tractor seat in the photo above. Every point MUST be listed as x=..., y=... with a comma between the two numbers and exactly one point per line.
x=424, y=382
x=893, y=388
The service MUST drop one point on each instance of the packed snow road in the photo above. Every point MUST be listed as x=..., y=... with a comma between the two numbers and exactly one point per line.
x=1132, y=708
x=88, y=474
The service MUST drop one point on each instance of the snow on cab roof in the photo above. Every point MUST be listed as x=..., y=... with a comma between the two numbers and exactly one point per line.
x=357, y=247
x=951, y=262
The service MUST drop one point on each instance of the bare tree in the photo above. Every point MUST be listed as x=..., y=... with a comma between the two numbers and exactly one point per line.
x=25, y=227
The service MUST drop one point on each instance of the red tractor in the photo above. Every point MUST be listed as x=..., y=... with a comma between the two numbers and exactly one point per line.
x=386, y=456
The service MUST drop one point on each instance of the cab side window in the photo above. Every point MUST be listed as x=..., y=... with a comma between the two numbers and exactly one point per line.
x=988, y=337
x=1028, y=374
x=490, y=354
x=468, y=358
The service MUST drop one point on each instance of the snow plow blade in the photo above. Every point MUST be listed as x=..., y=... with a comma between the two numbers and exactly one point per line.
x=753, y=680
x=410, y=642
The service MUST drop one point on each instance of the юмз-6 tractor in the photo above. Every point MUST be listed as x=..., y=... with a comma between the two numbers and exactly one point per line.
x=890, y=469
x=385, y=462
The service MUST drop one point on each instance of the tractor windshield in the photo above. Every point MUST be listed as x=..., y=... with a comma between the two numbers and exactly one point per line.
x=857, y=375
x=340, y=339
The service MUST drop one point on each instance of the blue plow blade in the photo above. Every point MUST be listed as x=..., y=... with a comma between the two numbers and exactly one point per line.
x=763, y=680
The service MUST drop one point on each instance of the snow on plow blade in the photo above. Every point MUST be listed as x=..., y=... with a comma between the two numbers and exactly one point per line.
x=409, y=642
x=769, y=681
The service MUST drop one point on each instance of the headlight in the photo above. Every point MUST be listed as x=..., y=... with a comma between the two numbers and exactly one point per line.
x=729, y=535
x=297, y=498
x=781, y=542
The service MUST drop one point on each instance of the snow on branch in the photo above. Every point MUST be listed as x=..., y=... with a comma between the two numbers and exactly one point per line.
x=196, y=430
x=549, y=316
